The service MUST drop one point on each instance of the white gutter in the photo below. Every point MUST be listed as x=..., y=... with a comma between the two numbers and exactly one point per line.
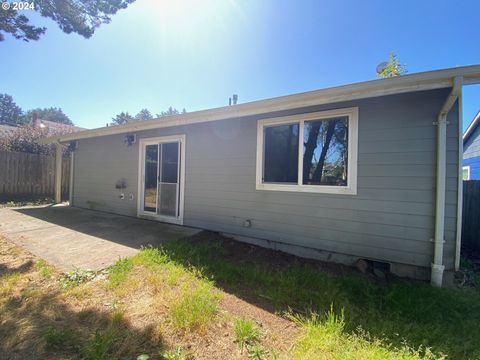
x=473, y=125
x=437, y=265
x=458, y=239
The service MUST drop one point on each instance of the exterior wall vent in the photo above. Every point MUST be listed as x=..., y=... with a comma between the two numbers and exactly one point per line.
x=130, y=139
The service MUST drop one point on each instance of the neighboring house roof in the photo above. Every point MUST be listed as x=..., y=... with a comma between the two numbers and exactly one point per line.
x=56, y=126
x=401, y=84
x=471, y=128
x=7, y=129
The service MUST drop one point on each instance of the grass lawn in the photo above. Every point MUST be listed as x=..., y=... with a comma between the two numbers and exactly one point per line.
x=213, y=298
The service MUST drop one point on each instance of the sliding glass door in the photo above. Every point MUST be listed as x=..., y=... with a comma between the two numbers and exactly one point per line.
x=151, y=174
x=168, y=186
x=161, y=179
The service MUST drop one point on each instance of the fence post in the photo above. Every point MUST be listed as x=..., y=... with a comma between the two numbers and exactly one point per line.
x=471, y=214
x=58, y=173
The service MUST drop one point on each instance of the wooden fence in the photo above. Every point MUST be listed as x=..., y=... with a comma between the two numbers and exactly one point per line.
x=471, y=214
x=24, y=175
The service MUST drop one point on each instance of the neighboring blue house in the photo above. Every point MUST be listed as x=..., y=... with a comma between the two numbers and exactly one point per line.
x=471, y=150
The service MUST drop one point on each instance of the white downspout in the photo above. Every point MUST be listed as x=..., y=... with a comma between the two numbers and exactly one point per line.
x=437, y=265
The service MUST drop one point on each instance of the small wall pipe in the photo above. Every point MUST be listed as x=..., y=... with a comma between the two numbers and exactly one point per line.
x=437, y=266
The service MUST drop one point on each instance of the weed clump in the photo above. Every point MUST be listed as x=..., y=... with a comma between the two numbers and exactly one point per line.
x=76, y=277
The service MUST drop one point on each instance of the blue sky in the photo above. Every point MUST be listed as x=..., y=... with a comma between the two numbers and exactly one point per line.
x=195, y=54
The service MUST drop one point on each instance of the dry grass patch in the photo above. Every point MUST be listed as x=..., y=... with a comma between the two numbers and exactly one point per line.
x=182, y=298
x=39, y=316
x=44, y=268
x=9, y=282
x=80, y=292
x=194, y=307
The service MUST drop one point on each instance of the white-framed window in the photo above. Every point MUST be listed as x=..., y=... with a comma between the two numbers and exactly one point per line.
x=466, y=172
x=312, y=152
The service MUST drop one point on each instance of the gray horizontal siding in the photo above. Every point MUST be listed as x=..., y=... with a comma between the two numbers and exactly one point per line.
x=391, y=218
x=471, y=148
x=356, y=244
x=99, y=163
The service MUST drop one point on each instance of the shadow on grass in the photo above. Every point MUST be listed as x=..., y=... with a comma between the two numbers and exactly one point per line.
x=41, y=325
x=446, y=320
x=23, y=268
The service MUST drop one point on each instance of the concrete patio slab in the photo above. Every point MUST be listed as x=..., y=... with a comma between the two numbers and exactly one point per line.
x=72, y=238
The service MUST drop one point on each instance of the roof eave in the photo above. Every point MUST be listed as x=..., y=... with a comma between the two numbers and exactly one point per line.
x=471, y=128
x=380, y=87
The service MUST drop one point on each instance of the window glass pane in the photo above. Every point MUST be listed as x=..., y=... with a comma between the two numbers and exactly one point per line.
x=280, y=156
x=151, y=165
x=169, y=163
x=325, y=152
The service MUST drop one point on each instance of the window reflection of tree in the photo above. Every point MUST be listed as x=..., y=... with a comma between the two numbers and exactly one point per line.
x=325, y=152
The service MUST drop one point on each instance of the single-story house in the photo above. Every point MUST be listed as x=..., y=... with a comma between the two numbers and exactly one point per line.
x=471, y=150
x=371, y=170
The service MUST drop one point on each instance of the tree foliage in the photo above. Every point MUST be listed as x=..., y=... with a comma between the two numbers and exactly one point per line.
x=79, y=16
x=26, y=139
x=171, y=111
x=325, y=155
x=51, y=114
x=394, y=67
x=122, y=118
x=144, y=114
x=18, y=26
x=10, y=112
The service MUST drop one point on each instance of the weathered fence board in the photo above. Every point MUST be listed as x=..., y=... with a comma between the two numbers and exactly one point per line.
x=471, y=214
x=30, y=175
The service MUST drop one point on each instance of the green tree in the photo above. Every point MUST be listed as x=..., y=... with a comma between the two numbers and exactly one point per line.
x=79, y=16
x=171, y=111
x=18, y=26
x=122, y=118
x=393, y=67
x=143, y=114
x=51, y=114
x=9, y=111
